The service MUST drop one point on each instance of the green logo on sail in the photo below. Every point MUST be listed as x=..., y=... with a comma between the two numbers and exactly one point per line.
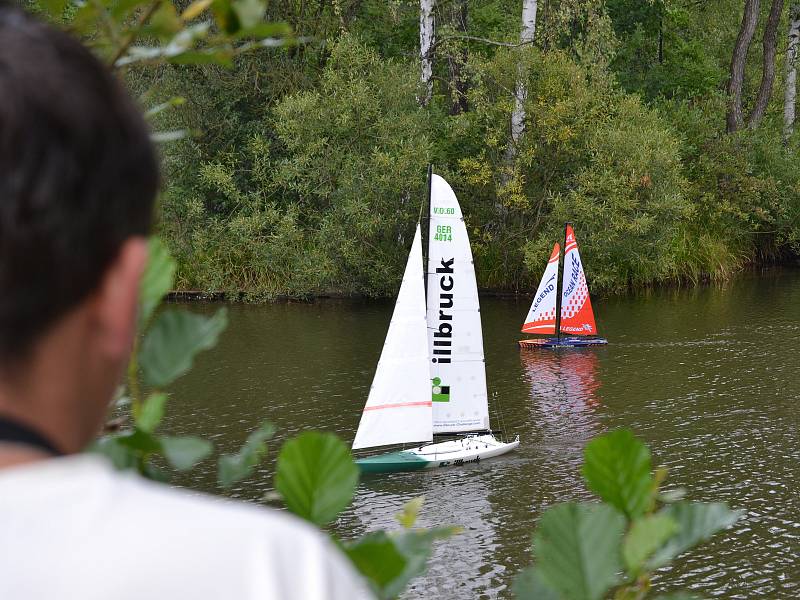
x=441, y=393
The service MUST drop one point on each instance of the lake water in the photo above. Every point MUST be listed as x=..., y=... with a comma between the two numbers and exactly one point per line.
x=708, y=377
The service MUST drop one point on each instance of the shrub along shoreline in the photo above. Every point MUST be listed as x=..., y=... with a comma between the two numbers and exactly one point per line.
x=310, y=172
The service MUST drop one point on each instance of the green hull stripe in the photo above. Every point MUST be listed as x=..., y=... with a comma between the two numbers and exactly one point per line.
x=391, y=462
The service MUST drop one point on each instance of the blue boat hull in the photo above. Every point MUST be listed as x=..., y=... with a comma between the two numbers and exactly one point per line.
x=562, y=342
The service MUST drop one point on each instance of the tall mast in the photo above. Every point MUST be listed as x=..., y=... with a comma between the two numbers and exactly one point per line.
x=424, y=226
x=561, y=265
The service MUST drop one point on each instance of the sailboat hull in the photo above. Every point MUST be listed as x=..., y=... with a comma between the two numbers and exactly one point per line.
x=562, y=342
x=451, y=453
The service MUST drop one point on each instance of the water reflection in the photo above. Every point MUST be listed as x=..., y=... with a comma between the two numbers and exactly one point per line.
x=452, y=497
x=564, y=386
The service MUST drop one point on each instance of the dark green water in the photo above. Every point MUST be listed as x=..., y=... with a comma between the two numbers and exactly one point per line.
x=708, y=377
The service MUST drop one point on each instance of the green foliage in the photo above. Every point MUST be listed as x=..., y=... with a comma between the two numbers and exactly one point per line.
x=235, y=467
x=310, y=170
x=171, y=340
x=127, y=32
x=617, y=468
x=580, y=549
x=696, y=522
x=183, y=453
x=390, y=561
x=174, y=339
x=157, y=279
x=316, y=476
x=320, y=195
x=645, y=536
x=151, y=412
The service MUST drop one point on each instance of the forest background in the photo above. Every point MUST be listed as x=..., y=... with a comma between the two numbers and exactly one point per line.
x=305, y=169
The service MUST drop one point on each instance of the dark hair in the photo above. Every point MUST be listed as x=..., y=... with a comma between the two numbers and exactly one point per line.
x=78, y=176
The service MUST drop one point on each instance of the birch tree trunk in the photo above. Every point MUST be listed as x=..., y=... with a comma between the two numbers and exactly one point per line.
x=456, y=61
x=526, y=36
x=734, y=118
x=427, y=36
x=790, y=92
x=768, y=70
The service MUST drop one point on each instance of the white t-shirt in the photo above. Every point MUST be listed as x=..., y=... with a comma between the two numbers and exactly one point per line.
x=73, y=528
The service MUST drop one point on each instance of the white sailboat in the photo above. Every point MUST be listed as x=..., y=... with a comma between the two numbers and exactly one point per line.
x=431, y=377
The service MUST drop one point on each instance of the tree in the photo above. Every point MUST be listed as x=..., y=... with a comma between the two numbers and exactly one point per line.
x=768, y=71
x=427, y=34
x=790, y=91
x=456, y=60
x=526, y=37
x=734, y=118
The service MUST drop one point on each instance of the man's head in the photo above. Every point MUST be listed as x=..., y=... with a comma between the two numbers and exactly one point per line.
x=78, y=177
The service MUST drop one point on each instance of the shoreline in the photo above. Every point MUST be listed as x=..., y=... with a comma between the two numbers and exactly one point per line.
x=244, y=297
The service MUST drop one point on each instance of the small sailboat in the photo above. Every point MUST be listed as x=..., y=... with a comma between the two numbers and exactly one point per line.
x=565, y=312
x=431, y=377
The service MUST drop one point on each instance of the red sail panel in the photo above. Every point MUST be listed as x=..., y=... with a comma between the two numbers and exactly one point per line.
x=577, y=317
x=542, y=314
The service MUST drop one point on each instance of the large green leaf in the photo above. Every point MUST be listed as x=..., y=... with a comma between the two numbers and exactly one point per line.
x=416, y=546
x=529, y=585
x=316, y=476
x=141, y=442
x=173, y=341
x=121, y=456
x=151, y=412
x=617, y=468
x=391, y=561
x=235, y=467
x=644, y=537
x=183, y=453
x=697, y=521
x=377, y=558
x=577, y=547
x=157, y=279
x=410, y=512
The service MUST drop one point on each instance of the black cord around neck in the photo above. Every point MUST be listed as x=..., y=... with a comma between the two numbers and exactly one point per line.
x=17, y=433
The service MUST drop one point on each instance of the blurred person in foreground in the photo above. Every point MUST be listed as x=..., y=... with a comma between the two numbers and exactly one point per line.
x=78, y=177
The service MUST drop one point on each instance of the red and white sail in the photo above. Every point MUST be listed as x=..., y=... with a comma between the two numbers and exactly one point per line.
x=542, y=315
x=577, y=317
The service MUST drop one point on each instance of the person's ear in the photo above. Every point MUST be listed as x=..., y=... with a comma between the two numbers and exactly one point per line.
x=117, y=298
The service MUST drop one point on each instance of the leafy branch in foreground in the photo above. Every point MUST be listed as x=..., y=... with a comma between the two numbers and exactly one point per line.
x=586, y=551
x=315, y=477
x=125, y=32
x=150, y=33
x=165, y=349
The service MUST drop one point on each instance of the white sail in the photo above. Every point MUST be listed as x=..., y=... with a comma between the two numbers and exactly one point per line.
x=542, y=315
x=398, y=408
x=457, y=370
